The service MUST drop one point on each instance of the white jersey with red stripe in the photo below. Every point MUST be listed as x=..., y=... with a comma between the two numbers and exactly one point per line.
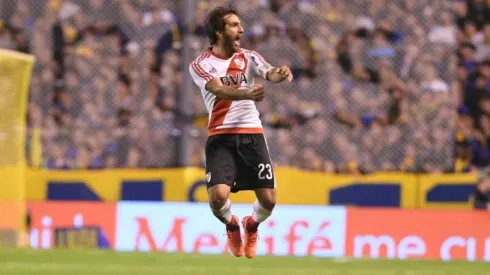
x=227, y=116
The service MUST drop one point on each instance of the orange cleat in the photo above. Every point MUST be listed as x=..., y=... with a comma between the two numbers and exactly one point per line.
x=250, y=228
x=234, y=237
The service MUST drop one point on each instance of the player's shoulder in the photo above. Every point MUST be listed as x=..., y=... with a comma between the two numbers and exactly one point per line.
x=247, y=51
x=252, y=54
x=200, y=62
x=202, y=57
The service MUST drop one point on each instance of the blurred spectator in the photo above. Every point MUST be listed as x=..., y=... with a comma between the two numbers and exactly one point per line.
x=444, y=31
x=431, y=81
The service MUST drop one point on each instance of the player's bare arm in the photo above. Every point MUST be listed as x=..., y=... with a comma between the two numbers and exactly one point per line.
x=255, y=93
x=279, y=74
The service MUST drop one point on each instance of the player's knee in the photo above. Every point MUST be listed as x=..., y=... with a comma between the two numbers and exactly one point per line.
x=267, y=198
x=268, y=204
x=218, y=195
x=217, y=200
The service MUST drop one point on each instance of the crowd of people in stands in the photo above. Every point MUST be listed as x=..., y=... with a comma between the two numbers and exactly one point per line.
x=379, y=84
x=471, y=83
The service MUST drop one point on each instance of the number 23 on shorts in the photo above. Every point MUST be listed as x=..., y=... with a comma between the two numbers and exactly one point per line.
x=265, y=171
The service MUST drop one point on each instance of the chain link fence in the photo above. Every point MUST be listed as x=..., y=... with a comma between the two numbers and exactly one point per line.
x=372, y=89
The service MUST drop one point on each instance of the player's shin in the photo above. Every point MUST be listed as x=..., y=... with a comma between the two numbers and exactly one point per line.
x=259, y=214
x=224, y=213
x=232, y=228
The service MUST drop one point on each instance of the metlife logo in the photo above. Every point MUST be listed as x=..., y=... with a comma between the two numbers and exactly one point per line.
x=321, y=231
x=191, y=228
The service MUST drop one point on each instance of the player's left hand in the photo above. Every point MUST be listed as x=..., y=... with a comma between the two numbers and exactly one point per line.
x=285, y=73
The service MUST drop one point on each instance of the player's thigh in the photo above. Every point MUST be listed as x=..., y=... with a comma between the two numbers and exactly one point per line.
x=257, y=170
x=220, y=169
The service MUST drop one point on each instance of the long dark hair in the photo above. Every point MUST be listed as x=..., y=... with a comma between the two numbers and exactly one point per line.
x=215, y=22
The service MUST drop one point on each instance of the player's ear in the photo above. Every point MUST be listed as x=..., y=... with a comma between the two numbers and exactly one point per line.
x=219, y=34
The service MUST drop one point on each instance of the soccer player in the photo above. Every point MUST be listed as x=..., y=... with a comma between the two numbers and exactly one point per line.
x=237, y=156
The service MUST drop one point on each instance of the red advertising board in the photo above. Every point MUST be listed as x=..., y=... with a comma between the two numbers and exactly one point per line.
x=48, y=216
x=401, y=234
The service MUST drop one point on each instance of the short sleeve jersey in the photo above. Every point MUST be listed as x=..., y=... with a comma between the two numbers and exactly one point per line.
x=227, y=116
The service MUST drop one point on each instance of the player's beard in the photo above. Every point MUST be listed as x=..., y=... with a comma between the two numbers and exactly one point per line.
x=229, y=44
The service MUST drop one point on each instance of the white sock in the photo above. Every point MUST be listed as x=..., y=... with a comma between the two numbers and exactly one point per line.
x=259, y=213
x=224, y=214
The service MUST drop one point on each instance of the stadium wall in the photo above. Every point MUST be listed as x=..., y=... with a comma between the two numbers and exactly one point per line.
x=409, y=191
x=320, y=231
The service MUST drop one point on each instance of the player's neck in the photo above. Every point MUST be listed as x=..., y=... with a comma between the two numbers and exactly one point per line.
x=221, y=52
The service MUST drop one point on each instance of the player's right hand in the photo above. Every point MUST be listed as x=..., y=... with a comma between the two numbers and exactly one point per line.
x=255, y=93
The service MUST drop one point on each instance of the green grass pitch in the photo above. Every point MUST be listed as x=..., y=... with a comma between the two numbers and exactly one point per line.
x=94, y=262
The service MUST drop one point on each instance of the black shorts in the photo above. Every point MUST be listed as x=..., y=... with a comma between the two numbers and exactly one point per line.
x=241, y=161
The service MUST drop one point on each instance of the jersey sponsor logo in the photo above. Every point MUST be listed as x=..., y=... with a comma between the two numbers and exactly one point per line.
x=235, y=80
x=240, y=63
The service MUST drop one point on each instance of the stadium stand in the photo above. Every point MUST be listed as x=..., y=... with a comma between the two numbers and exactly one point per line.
x=376, y=88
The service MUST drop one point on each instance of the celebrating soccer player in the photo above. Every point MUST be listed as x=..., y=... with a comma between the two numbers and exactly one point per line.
x=237, y=156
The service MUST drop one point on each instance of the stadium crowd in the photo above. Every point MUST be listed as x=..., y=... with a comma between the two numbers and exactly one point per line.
x=374, y=89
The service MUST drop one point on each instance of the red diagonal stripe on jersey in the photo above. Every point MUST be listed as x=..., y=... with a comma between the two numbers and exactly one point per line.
x=220, y=108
